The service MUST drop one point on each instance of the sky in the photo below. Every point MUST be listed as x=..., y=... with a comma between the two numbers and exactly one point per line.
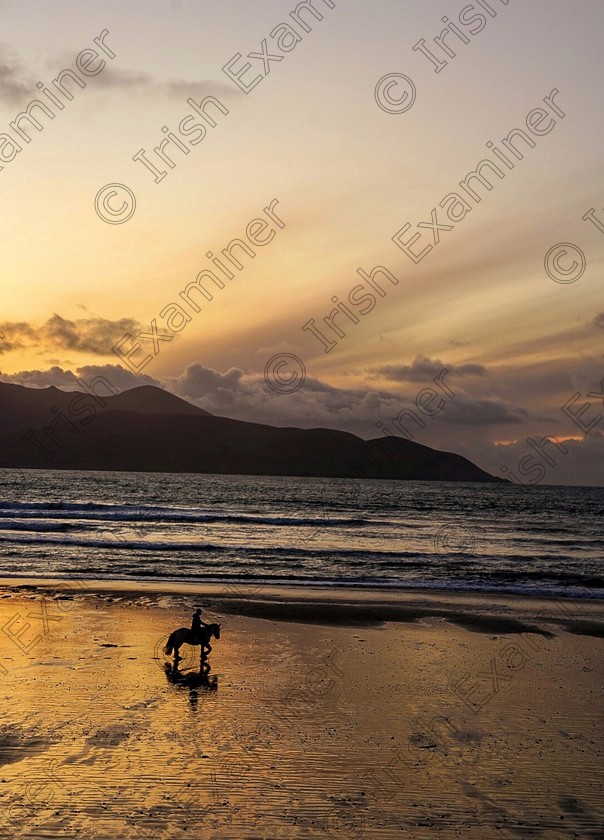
x=351, y=139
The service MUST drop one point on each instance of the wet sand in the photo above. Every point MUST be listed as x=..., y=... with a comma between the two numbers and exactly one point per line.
x=324, y=714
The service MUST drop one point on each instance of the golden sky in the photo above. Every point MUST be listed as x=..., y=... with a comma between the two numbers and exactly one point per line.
x=344, y=176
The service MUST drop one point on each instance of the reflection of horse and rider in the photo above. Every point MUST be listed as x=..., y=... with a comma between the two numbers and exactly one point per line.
x=199, y=634
x=195, y=681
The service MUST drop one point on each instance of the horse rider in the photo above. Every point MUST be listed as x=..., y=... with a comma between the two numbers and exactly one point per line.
x=197, y=624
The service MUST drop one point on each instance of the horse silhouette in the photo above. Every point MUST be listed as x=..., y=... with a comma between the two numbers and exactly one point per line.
x=184, y=636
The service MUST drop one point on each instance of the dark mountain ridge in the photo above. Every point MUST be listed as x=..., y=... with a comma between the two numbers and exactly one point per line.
x=148, y=429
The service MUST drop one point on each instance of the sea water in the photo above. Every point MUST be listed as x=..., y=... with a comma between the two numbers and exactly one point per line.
x=257, y=529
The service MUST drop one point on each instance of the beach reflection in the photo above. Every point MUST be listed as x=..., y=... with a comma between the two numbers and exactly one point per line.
x=194, y=681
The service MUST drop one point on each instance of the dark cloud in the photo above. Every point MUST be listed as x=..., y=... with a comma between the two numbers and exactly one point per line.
x=241, y=396
x=467, y=411
x=41, y=378
x=85, y=335
x=15, y=81
x=8, y=346
x=119, y=377
x=198, y=382
x=88, y=335
x=11, y=334
x=237, y=395
x=423, y=369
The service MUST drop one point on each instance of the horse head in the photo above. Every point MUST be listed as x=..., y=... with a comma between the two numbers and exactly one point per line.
x=216, y=630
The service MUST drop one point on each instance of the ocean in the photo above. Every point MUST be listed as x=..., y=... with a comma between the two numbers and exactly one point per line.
x=345, y=532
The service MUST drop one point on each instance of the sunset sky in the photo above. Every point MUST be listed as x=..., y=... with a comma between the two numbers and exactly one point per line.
x=346, y=176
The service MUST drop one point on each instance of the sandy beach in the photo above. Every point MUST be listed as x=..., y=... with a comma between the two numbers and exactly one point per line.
x=323, y=714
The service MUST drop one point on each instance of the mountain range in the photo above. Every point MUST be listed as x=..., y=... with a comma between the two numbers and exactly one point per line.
x=149, y=429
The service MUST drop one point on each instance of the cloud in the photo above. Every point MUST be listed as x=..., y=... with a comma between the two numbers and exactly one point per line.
x=242, y=396
x=41, y=378
x=12, y=333
x=119, y=377
x=467, y=411
x=198, y=382
x=424, y=369
x=15, y=83
x=599, y=320
x=247, y=397
x=85, y=335
x=18, y=85
x=115, y=78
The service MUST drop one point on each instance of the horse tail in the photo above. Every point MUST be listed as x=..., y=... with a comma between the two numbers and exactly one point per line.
x=169, y=645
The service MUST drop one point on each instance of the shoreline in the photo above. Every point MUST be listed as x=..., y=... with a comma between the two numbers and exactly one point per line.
x=159, y=584
x=339, y=606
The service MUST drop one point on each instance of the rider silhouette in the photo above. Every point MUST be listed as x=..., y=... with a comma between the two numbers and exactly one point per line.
x=197, y=624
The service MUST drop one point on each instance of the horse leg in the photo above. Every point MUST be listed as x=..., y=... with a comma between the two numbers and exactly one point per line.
x=177, y=656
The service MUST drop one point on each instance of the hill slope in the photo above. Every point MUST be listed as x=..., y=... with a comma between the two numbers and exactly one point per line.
x=147, y=429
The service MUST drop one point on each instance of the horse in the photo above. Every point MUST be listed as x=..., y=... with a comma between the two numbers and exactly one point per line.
x=185, y=636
